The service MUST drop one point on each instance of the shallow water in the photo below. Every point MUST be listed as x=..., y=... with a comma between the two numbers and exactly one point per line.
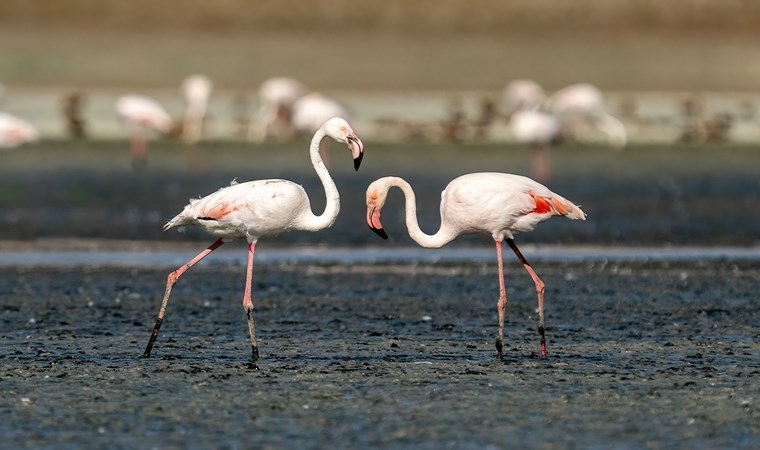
x=372, y=255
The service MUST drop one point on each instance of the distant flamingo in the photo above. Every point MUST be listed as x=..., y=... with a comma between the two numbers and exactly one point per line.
x=523, y=94
x=139, y=115
x=498, y=204
x=311, y=110
x=540, y=130
x=276, y=99
x=197, y=90
x=261, y=208
x=15, y=131
x=585, y=102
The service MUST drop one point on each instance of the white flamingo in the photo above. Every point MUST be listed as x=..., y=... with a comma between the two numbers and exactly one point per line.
x=261, y=208
x=276, y=99
x=585, y=102
x=197, y=90
x=540, y=130
x=15, y=131
x=497, y=204
x=313, y=109
x=523, y=94
x=141, y=114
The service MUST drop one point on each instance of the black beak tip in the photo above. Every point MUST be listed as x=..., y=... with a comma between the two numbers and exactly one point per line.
x=380, y=232
x=358, y=161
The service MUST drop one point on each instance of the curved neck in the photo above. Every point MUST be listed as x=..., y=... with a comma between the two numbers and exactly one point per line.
x=442, y=237
x=332, y=206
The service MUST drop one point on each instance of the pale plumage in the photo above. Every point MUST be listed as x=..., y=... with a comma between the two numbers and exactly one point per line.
x=523, y=94
x=311, y=110
x=496, y=204
x=140, y=115
x=15, y=131
x=540, y=130
x=534, y=127
x=276, y=99
x=197, y=91
x=261, y=208
x=584, y=103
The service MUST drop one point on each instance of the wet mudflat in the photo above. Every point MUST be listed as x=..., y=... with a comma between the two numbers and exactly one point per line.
x=642, y=355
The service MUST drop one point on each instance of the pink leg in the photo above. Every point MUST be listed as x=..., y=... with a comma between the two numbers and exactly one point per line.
x=248, y=302
x=541, y=162
x=170, y=282
x=502, y=304
x=539, y=291
x=139, y=151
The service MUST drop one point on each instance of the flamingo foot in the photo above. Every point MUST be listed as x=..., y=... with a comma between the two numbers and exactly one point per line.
x=500, y=347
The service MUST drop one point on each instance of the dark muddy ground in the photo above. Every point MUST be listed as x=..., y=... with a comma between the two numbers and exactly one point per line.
x=642, y=355
x=657, y=355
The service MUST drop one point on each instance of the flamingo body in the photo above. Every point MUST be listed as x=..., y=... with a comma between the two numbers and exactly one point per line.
x=15, y=131
x=310, y=111
x=498, y=204
x=276, y=99
x=581, y=98
x=248, y=210
x=141, y=113
x=585, y=103
x=523, y=94
x=260, y=208
x=197, y=90
x=534, y=127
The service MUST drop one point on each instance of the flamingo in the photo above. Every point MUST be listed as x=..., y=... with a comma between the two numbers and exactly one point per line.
x=586, y=102
x=197, y=90
x=140, y=114
x=523, y=94
x=498, y=204
x=276, y=99
x=261, y=208
x=311, y=110
x=541, y=130
x=15, y=131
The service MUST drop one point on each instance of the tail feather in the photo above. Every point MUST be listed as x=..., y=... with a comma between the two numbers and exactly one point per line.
x=567, y=208
x=179, y=220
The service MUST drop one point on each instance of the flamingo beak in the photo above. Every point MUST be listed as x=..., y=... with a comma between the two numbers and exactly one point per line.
x=373, y=220
x=357, y=149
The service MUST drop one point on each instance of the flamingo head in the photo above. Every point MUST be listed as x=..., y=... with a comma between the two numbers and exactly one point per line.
x=377, y=192
x=341, y=131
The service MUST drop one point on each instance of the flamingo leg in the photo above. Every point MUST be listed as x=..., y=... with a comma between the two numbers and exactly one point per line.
x=170, y=282
x=539, y=291
x=501, y=306
x=248, y=302
x=541, y=162
x=139, y=151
